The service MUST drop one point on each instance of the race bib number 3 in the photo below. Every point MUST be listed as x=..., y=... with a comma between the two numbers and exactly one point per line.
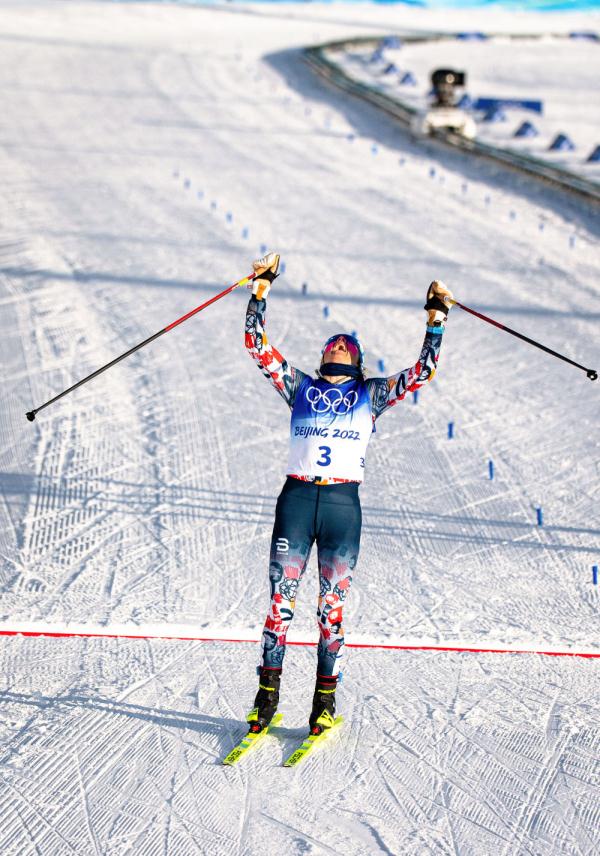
x=325, y=459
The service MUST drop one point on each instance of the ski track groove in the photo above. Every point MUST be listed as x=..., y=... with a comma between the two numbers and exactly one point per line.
x=85, y=804
x=65, y=525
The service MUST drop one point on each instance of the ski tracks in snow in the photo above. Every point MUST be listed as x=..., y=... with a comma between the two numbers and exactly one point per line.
x=147, y=495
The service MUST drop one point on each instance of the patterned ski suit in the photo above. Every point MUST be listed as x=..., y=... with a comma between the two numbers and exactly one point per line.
x=331, y=425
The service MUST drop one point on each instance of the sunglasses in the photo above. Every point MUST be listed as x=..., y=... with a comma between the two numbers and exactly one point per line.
x=350, y=344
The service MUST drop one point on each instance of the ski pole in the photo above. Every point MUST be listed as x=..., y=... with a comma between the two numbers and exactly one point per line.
x=31, y=414
x=591, y=373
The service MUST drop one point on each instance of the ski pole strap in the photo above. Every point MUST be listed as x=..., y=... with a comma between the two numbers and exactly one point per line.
x=591, y=373
x=434, y=302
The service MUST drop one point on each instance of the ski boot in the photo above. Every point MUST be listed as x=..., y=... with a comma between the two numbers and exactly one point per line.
x=266, y=701
x=323, y=709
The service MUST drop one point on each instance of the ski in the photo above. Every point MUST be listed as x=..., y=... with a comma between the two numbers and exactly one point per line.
x=309, y=744
x=250, y=740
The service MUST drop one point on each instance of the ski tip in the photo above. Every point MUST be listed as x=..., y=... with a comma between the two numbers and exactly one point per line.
x=247, y=742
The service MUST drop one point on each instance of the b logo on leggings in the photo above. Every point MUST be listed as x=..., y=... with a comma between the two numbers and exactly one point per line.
x=282, y=545
x=334, y=400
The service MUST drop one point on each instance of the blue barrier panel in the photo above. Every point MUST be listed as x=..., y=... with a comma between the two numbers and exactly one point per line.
x=393, y=42
x=585, y=34
x=391, y=68
x=494, y=114
x=523, y=103
x=472, y=36
x=526, y=129
x=465, y=102
x=595, y=156
x=561, y=143
x=408, y=79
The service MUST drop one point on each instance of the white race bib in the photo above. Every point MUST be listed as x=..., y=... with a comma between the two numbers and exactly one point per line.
x=330, y=428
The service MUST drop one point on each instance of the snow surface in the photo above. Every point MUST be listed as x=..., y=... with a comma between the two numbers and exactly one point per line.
x=130, y=133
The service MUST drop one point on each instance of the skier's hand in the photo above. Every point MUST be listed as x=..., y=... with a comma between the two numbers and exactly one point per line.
x=266, y=271
x=438, y=302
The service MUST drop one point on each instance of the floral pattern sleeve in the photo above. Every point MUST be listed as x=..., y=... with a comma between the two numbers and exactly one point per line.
x=387, y=391
x=285, y=378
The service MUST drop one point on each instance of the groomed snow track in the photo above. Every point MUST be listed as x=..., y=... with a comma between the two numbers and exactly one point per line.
x=151, y=151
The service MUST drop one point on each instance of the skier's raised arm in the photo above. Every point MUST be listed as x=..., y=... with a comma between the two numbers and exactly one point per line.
x=285, y=378
x=385, y=392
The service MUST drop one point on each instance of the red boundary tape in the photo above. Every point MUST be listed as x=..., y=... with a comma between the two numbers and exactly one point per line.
x=376, y=646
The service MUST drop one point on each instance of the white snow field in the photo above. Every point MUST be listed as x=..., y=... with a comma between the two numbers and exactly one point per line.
x=138, y=142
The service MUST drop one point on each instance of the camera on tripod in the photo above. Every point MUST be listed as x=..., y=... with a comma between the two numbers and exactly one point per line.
x=444, y=82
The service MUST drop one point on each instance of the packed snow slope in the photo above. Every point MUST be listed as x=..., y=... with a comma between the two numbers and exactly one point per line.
x=146, y=154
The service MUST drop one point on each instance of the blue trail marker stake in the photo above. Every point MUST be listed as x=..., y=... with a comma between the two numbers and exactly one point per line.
x=380, y=366
x=491, y=469
x=282, y=267
x=595, y=575
x=540, y=516
x=200, y=194
x=187, y=184
x=326, y=311
x=304, y=287
x=245, y=232
x=450, y=430
x=416, y=396
x=263, y=249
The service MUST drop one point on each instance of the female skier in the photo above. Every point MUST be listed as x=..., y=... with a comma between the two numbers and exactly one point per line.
x=332, y=420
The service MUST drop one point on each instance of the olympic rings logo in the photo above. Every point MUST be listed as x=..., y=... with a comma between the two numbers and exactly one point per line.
x=323, y=401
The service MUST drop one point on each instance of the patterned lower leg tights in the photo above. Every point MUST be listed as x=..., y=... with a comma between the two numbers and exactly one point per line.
x=330, y=516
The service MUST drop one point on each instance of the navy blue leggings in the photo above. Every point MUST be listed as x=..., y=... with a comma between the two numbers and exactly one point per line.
x=331, y=516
